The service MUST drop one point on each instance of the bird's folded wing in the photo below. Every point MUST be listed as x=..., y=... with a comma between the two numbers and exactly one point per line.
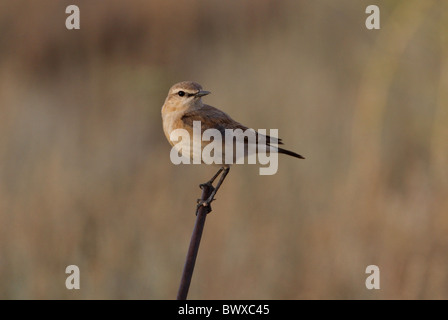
x=212, y=118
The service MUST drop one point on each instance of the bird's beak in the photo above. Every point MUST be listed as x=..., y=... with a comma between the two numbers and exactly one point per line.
x=202, y=93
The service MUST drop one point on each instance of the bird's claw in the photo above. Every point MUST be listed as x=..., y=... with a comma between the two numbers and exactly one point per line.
x=204, y=203
x=207, y=184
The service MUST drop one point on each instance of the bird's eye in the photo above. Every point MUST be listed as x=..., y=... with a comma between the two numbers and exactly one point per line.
x=181, y=93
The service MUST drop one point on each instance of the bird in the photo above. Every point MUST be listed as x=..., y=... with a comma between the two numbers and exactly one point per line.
x=183, y=106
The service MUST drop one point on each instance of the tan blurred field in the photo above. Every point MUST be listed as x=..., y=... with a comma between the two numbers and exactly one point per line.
x=86, y=178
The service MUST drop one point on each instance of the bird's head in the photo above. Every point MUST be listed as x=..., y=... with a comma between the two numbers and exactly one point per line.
x=184, y=95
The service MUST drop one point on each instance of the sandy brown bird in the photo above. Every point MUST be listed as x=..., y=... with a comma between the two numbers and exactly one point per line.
x=184, y=105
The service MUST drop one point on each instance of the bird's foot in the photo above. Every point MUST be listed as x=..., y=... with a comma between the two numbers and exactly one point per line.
x=204, y=203
x=208, y=201
x=207, y=184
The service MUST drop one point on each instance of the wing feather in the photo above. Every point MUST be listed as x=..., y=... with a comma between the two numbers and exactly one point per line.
x=211, y=117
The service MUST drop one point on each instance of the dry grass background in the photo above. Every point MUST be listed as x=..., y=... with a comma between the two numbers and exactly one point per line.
x=85, y=176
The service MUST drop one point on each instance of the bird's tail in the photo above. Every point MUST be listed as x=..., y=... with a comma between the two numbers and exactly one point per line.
x=269, y=148
x=289, y=153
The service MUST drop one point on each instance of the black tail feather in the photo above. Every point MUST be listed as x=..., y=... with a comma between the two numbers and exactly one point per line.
x=290, y=153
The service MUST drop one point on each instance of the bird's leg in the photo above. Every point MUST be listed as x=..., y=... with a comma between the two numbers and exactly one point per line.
x=210, y=185
x=215, y=189
x=210, y=182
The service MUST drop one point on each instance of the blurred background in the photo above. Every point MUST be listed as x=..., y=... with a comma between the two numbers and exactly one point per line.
x=86, y=178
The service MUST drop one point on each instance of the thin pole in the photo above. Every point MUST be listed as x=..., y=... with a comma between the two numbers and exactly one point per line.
x=190, y=261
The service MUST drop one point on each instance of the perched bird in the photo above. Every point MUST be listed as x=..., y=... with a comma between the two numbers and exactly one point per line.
x=183, y=106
